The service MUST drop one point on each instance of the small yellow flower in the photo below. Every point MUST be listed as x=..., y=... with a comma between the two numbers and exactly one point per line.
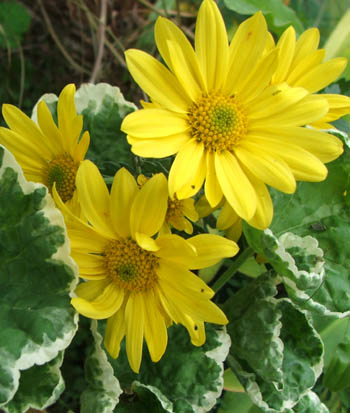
x=48, y=153
x=301, y=64
x=214, y=107
x=139, y=284
x=179, y=213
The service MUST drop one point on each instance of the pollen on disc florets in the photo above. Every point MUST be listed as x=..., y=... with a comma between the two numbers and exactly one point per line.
x=131, y=267
x=218, y=121
x=62, y=169
x=175, y=209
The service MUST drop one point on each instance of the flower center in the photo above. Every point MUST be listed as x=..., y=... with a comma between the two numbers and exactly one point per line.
x=130, y=267
x=62, y=170
x=218, y=121
x=175, y=209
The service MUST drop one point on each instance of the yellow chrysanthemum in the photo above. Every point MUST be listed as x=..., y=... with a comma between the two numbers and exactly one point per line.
x=215, y=108
x=48, y=153
x=301, y=64
x=140, y=284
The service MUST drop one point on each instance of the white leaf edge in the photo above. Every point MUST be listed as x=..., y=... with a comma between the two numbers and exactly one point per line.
x=163, y=400
x=91, y=92
x=56, y=392
x=318, y=274
x=33, y=353
x=219, y=355
x=110, y=384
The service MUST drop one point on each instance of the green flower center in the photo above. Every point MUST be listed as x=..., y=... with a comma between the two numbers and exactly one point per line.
x=62, y=170
x=218, y=121
x=131, y=267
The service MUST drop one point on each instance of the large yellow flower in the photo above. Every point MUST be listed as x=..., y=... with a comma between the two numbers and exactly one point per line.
x=301, y=64
x=140, y=284
x=215, y=108
x=48, y=153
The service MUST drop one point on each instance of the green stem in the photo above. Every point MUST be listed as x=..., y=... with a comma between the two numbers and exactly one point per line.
x=231, y=271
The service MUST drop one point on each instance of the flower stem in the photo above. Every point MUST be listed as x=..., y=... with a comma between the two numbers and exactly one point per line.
x=231, y=271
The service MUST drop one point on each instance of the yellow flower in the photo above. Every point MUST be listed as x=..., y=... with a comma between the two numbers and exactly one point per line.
x=301, y=64
x=48, y=153
x=140, y=284
x=178, y=214
x=215, y=108
x=227, y=220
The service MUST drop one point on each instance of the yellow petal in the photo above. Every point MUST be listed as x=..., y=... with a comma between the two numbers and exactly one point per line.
x=304, y=165
x=259, y=78
x=195, y=329
x=160, y=147
x=154, y=123
x=26, y=151
x=180, y=57
x=90, y=290
x=149, y=207
x=285, y=46
x=322, y=75
x=306, y=65
x=94, y=197
x=69, y=122
x=82, y=147
x=115, y=331
x=275, y=99
x=134, y=320
x=157, y=81
x=184, y=281
x=211, y=45
x=268, y=169
x=323, y=145
x=175, y=248
x=123, y=192
x=308, y=110
x=212, y=187
x=211, y=249
x=306, y=44
x=264, y=209
x=103, y=306
x=227, y=217
x=188, y=170
x=246, y=48
x=235, y=186
x=53, y=137
x=189, y=209
x=156, y=334
x=145, y=242
x=199, y=309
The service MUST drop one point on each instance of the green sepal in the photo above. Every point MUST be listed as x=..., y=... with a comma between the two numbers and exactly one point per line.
x=37, y=277
x=48, y=387
x=103, y=390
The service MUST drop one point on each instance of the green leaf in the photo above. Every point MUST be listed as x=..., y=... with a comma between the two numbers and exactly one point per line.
x=14, y=22
x=37, y=277
x=237, y=403
x=103, y=390
x=279, y=16
x=321, y=209
x=310, y=403
x=48, y=387
x=104, y=107
x=276, y=353
x=189, y=377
